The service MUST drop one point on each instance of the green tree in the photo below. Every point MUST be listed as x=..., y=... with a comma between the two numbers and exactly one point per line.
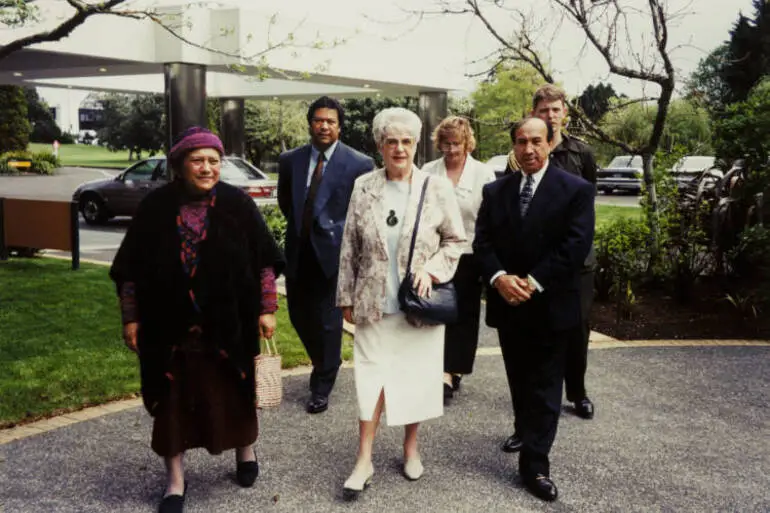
x=273, y=127
x=687, y=126
x=706, y=85
x=42, y=122
x=499, y=101
x=359, y=114
x=744, y=130
x=14, y=125
x=595, y=100
x=134, y=123
x=749, y=52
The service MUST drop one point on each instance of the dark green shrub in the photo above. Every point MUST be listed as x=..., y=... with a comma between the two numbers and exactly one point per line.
x=67, y=138
x=48, y=157
x=276, y=223
x=14, y=125
x=622, y=253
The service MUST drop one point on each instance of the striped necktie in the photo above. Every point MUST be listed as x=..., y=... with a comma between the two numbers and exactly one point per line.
x=526, y=195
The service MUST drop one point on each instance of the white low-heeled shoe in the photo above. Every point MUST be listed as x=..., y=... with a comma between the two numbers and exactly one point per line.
x=413, y=468
x=358, y=481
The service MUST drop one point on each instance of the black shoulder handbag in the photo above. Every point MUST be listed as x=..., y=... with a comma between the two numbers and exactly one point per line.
x=441, y=306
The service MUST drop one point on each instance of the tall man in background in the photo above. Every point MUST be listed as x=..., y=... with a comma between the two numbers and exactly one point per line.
x=314, y=186
x=549, y=103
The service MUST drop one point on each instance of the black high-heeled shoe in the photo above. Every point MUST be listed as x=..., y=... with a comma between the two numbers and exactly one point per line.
x=173, y=503
x=246, y=472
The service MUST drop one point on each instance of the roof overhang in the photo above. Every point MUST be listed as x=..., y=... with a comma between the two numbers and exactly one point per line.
x=115, y=54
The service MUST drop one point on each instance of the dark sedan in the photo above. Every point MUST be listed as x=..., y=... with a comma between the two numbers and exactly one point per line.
x=624, y=173
x=100, y=200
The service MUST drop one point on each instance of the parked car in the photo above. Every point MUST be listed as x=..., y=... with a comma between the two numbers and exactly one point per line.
x=688, y=170
x=498, y=163
x=100, y=200
x=624, y=173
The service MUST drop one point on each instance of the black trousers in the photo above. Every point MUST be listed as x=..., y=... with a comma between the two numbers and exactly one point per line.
x=311, y=298
x=534, y=365
x=462, y=338
x=577, y=348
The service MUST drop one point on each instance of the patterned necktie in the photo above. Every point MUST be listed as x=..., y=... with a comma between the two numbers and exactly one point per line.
x=307, y=212
x=526, y=195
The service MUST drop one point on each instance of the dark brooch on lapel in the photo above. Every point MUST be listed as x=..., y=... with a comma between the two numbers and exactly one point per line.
x=392, y=220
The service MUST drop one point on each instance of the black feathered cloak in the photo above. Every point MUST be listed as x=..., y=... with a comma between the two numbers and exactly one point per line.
x=226, y=284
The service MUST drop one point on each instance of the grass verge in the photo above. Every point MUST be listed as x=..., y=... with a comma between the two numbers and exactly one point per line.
x=606, y=213
x=60, y=340
x=87, y=155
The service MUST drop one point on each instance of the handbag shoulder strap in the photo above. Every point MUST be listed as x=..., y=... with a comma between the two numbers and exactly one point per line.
x=416, y=225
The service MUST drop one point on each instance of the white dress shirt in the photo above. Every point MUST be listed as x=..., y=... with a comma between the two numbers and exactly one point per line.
x=538, y=177
x=314, y=153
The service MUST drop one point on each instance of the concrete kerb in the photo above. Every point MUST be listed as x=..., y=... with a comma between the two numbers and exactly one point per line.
x=597, y=341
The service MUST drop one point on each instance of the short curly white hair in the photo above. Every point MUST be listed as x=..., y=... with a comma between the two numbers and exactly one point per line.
x=396, y=118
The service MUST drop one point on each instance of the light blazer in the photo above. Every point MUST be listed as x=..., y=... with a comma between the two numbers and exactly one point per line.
x=330, y=207
x=364, y=259
x=550, y=243
x=474, y=177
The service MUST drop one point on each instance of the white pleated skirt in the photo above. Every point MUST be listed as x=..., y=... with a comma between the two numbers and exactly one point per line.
x=405, y=362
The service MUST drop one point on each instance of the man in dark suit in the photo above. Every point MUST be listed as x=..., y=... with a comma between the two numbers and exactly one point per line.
x=314, y=186
x=533, y=233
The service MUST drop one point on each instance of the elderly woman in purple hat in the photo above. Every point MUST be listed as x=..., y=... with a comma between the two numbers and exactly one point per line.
x=196, y=279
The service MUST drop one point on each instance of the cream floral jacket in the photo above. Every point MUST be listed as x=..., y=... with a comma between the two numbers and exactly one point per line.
x=364, y=255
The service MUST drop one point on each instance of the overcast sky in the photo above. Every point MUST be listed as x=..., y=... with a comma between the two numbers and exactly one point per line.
x=458, y=41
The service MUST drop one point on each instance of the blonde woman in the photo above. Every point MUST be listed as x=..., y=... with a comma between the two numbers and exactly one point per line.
x=453, y=137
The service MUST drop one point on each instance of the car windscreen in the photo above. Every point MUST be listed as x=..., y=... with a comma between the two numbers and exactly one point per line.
x=695, y=164
x=626, y=161
x=244, y=168
x=230, y=171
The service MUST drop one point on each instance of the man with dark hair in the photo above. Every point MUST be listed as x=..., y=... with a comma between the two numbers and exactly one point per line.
x=314, y=186
x=533, y=232
x=549, y=103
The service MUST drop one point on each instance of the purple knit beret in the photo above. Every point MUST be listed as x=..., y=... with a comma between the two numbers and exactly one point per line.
x=194, y=138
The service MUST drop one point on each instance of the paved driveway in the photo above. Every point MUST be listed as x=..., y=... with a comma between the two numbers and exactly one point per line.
x=677, y=430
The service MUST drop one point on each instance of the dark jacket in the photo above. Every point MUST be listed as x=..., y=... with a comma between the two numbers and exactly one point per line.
x=550, y=243
x=226, y=284
x=576, y=157
x=331, y=202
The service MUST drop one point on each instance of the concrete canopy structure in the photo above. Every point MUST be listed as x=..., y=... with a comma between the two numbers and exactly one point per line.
x=222, y=51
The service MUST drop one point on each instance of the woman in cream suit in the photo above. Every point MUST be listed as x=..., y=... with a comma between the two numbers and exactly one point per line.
x=397, y=362
x=453, y=137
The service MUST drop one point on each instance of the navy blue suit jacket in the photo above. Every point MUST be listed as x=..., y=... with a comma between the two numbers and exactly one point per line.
x=331, y=202
x=550, y=243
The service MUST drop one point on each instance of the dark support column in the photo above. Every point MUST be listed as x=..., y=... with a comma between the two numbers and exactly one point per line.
x=232, y=125
x=432, y=109
x=185, y=97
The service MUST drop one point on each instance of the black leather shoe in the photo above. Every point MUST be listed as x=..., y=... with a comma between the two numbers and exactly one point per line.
x=584, y=408
x=173, y=503
x=246, y=472
x=317, y=404
x=449, y=392
x=541, y=487
x=456, y=382
x=512, y=444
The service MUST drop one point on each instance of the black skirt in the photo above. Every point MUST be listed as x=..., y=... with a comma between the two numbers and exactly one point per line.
x=462, y=338
x=206, y=405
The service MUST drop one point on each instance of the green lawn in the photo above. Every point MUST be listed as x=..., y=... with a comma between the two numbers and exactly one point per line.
x=606, y=213
x=60, y=341
x=86, y=155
